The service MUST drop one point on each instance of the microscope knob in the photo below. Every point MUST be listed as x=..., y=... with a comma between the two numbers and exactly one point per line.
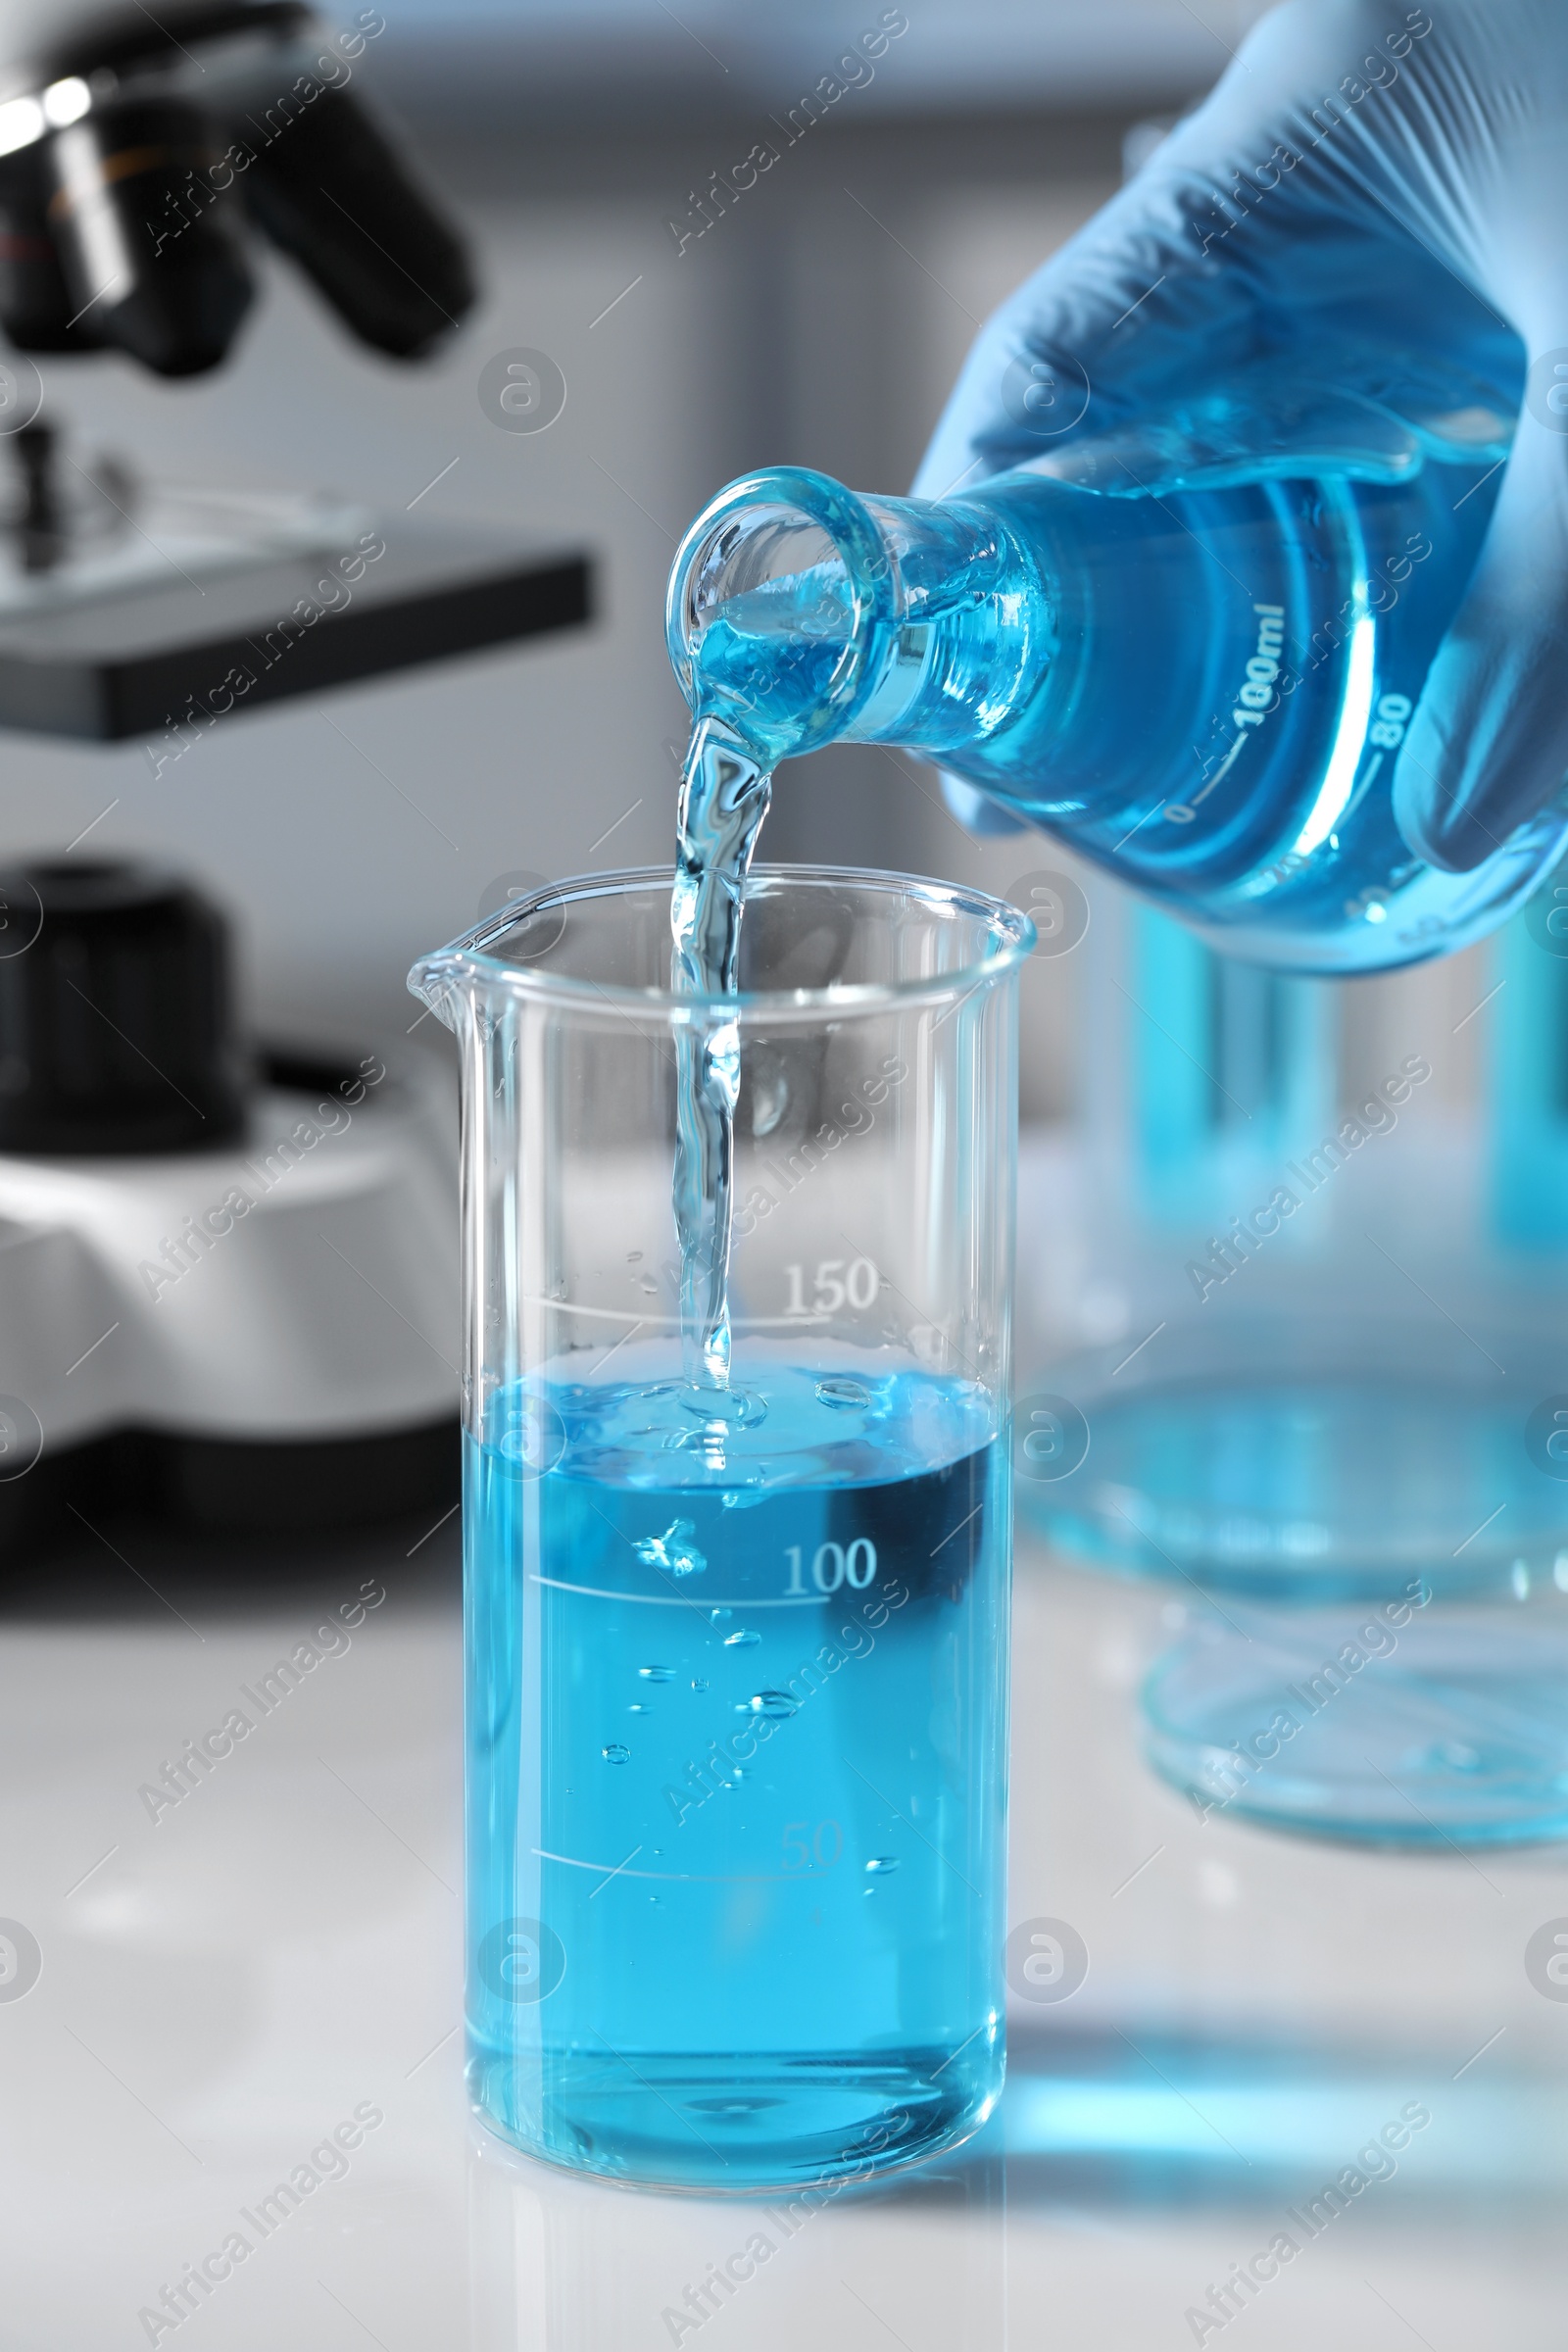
x=115, y=1023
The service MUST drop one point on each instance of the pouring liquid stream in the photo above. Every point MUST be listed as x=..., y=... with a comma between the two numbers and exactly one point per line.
x=725, y=795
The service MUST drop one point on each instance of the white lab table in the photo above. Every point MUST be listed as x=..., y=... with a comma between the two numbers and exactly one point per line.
x=223, y=1986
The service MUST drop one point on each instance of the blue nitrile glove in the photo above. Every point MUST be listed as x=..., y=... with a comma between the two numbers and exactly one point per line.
x=1366, y=178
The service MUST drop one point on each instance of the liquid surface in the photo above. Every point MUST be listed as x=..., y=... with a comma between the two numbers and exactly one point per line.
x=735, y=1781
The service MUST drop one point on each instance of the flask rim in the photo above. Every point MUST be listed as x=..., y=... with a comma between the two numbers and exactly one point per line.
x=469, y=964
x=871, y=576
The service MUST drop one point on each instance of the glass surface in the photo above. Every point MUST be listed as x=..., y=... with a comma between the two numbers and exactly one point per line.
x=107, y=536
x=1528, y=1106
x=1315, y=1455
x=1380, y=1428
x=736, y=1656
x=1414, y=1719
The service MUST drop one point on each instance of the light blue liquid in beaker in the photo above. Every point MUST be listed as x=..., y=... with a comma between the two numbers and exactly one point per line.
x=764, y=1632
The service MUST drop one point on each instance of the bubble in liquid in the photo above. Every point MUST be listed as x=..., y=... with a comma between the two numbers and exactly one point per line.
x=637, y=1708
x=843, y=1393
x=656, y=1674
x=674, y=1551
x=744, y=1640
x=698, y=1684
x=634, y=1257
x=883, y=1863
x=615, y=1753
x=731, y=2107
x=719, y=1616
x=775, y=1703
x=770, y=1095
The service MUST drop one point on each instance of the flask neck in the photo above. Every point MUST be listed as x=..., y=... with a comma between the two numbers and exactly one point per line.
x=801, y=613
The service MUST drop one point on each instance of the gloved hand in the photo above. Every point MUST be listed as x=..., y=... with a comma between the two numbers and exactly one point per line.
x=1366, y=176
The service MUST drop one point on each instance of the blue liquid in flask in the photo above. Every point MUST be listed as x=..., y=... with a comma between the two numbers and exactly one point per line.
x=736, y=1718
x=1197, y=668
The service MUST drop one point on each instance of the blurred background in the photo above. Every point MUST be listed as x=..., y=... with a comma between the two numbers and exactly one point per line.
x=277, y=1952
x=821, y=321
x=818, y=317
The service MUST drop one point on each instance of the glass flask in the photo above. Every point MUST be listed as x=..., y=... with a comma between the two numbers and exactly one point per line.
x=1191, y=656
x=736, y=1656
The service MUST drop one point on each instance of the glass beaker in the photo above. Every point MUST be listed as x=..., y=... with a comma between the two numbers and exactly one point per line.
x=737, y=1657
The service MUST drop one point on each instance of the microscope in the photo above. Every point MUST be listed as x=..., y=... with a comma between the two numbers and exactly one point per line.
x=133, y=148
x=227, y=1268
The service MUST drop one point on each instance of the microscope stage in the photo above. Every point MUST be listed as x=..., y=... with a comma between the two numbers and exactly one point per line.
x=174, y=633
